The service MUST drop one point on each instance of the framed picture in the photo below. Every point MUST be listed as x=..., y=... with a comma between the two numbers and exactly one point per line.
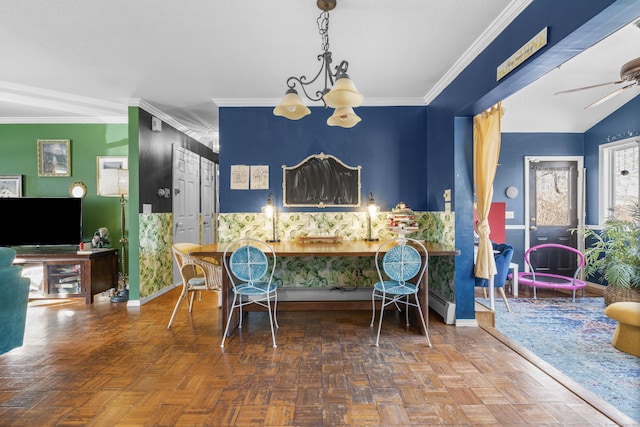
x=239, y=177
x=54, y=157
x=107, y=167
x=259, y=177
x=10, y=185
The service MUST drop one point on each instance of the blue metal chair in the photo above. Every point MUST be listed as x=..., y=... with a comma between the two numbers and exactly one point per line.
x=250, y=264
x=403, y=259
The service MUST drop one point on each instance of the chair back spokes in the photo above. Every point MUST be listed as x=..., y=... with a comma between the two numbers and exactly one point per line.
x=404, y=259
x=250, y=264
x=402, y=266
x=249, y=261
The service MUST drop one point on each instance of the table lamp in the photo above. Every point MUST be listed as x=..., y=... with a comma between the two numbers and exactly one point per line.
x=270, y=212
x=372, y=209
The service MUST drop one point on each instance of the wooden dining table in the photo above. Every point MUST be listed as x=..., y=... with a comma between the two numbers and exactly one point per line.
x=348, y=248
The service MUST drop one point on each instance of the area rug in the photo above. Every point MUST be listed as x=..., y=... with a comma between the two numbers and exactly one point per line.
x=575, y=338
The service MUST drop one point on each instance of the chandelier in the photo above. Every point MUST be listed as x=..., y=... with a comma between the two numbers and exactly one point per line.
x=339, y=92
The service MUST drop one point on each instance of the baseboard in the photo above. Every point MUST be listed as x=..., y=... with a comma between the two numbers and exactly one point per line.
x=597, y=286
x=142, y=301
x=444, y=308
x=473, y=323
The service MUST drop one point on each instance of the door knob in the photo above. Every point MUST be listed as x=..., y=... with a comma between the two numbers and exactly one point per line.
x=533, y=227
x=533, y=218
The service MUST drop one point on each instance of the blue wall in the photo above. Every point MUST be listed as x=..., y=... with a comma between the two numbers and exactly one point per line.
x=413, y=153
x=514, y=147
x=622, y=124
x=389, y=144
x=571, y=29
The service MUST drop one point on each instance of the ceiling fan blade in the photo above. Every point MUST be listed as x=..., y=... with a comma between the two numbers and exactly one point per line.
x=589, y=87
x=611, y=95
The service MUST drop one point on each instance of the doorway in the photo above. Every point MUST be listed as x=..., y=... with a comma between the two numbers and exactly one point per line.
x=208, y=199
x=554, y=204
x=186, y=199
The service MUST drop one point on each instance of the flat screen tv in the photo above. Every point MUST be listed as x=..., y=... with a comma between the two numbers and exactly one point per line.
x=41, y=221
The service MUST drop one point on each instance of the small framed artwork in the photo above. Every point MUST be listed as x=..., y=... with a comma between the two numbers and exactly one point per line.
x=107, y=167
x=10, y=185
x=54, y=157
x=239, y=177
x=259, y=177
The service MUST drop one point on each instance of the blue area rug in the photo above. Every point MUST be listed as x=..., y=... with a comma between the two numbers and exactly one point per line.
x=575, y=338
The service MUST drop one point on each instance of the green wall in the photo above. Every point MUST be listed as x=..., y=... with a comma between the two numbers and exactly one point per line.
x=18, y=156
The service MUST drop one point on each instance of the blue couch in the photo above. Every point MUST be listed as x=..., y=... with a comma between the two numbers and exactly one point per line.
x=14, y=290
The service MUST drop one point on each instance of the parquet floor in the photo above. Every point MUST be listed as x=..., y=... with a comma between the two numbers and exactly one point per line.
x=109, y=365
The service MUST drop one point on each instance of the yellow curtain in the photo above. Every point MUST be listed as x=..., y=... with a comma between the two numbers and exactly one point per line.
x=486, y=150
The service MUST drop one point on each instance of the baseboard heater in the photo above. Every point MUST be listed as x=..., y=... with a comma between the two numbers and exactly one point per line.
x=444, y=308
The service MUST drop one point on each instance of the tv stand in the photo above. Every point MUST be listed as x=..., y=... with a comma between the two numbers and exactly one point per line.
x=66, y=272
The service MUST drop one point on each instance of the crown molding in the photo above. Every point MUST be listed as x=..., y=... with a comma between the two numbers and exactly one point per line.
x=272, y=102
x=63, y=120
x=247, y=102
x=141, y=103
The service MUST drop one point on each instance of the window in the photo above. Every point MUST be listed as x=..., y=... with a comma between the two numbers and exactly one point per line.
x=619, y=178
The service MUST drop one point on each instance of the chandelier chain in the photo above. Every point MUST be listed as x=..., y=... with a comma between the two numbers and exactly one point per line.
x=323, y=29
x=343, y=97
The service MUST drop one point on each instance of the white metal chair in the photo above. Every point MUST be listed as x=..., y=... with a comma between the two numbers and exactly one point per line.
x=197, y=275
x=250, y=264
x=404, y=259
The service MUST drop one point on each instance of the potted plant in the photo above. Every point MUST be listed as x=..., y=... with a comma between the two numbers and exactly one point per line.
x=614, y=256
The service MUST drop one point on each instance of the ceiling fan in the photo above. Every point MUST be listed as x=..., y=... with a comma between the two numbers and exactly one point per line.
x=629, y=77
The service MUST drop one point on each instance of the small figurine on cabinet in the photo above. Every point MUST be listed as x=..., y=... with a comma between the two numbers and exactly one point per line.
x=100, y=238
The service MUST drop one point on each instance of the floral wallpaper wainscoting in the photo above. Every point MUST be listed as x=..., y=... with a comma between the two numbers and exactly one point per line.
x=321, y=272
x=156, y=257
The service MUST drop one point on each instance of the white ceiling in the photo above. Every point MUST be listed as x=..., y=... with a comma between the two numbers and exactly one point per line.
x=537, y=108
x=78, y=61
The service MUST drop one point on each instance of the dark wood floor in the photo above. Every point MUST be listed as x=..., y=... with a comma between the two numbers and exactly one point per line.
x=111, y=365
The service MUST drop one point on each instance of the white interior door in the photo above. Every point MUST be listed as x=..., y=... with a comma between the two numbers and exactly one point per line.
x=186, y=199
x=207, y=198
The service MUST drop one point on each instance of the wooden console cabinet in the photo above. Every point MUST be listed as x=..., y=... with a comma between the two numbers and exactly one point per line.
x=62, y=273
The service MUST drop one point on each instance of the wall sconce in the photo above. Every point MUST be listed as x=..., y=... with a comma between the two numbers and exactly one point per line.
x=372, y=209
x=78, y=190
x=164, y=192
x=270, y=212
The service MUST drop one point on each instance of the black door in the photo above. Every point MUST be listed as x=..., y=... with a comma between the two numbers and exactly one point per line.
x=554, y=211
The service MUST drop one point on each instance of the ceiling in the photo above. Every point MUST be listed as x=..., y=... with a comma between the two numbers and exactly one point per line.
x=537, y=108
x=73, y=61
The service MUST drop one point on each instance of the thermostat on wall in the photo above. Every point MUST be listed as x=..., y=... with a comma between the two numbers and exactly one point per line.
x=511, y=192
x=156, y=124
